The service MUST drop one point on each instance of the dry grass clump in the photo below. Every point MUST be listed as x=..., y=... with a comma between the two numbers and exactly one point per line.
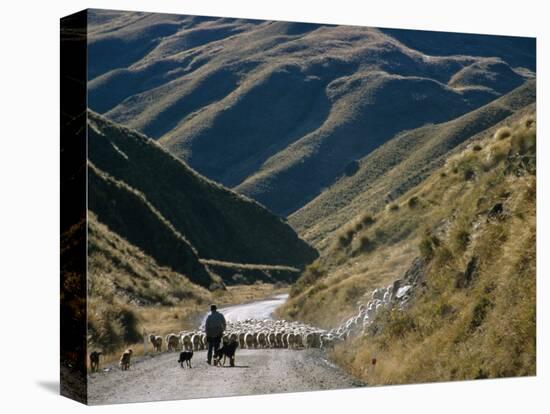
x=503, y=133
x=112, y=325
x=366, y=220
x=311, y=274
x=393, y=207
x=413, y=202
x=345, y=238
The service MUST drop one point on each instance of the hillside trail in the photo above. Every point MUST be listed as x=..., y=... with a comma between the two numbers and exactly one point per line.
x=256, y=371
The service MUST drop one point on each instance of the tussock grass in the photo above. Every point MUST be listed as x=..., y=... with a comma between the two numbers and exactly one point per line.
x=503, y=133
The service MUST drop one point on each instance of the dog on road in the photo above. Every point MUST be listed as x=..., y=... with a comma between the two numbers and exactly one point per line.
x=186, y=357
x=125, y=360
x=94, y=361
x=226, y=351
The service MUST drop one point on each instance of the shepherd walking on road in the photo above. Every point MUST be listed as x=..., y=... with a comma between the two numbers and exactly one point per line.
x=214, y=327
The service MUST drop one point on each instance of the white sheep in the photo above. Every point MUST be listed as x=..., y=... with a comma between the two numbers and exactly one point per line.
x=250, y=340
x=156, y=341
x=262, y=339
x=187, y=341
x=172, y=342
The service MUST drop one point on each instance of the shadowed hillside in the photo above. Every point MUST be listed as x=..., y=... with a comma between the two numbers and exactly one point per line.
x=162, y=206
x=278, y=110
x=128, y=213
x=402, y=163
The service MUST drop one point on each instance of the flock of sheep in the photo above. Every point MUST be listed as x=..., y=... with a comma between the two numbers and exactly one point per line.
x=269, y=333
x=249, y=334
x=381, y=298
x=397, y=295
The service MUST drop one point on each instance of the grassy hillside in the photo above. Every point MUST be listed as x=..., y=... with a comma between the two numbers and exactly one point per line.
x=123, y=282
x=278, y=110
x=402, y=163
x=473, y=223
x=129, y=214
x=162, y=206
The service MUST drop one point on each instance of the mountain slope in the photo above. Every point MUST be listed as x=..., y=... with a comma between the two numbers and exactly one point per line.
x=277, y=110
x=128, y=213
x=139, y=183
x=402, y=163
x=121, y=280
x=468, y=232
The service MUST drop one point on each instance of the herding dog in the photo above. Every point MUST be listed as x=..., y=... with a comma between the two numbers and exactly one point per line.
x=226, y=351
x=94, y=361
x=125, y=360
x=186, y=356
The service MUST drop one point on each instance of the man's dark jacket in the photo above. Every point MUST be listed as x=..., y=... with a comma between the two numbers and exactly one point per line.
x=215, y=325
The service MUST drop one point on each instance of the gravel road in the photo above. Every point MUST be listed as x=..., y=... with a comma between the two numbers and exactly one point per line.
x=257, y=371
x=262, y=309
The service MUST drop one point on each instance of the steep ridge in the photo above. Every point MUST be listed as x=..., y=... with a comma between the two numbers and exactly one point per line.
x=277, y=110
x=401, y=163
x=129, y=214
x=142, y=192
x=517, y=51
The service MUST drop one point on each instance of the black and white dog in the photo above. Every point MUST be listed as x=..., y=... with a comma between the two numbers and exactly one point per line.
x=186, y=357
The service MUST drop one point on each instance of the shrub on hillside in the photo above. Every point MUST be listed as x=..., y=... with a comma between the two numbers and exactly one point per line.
x=112, y=326
x=310, y=275
x=345, y=238
x=399, y=324
x=367, y=219
x=427, y=246
x=351, y=168
x=353, y=292
x=363, y=221
x=365, y=244
x=413, y=202
x=468, y=167
x=462, y=238
x=523, y=141
x=393, y=207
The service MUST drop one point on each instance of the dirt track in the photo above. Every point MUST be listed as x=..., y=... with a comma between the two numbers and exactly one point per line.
x=257, y=371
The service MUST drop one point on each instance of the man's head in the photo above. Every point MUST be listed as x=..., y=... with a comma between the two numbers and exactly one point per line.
x=213, y=308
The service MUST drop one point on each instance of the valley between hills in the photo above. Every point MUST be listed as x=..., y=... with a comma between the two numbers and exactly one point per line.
x=233, y=159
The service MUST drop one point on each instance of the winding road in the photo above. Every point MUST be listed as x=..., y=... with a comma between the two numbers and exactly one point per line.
x=262, y=309
x=257, y=371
